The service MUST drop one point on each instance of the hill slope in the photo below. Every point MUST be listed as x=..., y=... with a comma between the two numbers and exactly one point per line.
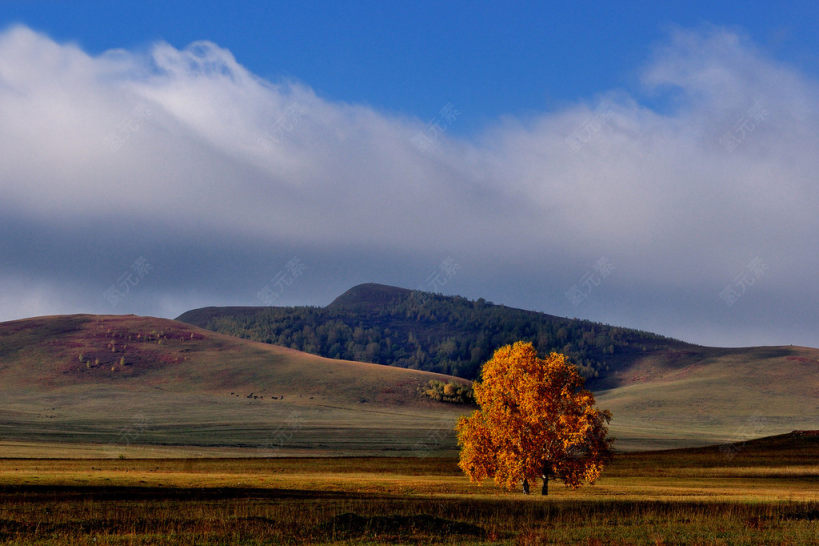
x=124, y=381
x=727, y=396
x=664, y=393
x=445, y=334
x=127, y=379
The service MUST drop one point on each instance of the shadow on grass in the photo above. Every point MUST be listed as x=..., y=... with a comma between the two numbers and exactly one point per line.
x=33, y=492
x=188, y=515
x=350, y=525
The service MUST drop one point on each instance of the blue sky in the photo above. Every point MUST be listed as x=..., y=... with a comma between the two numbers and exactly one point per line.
x=648, y=164
x=487, y=58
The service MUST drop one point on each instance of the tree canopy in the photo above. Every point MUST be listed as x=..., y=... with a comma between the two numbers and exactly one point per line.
x=535, y=420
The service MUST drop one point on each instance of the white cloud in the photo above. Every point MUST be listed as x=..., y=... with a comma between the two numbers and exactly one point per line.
x=191, y=144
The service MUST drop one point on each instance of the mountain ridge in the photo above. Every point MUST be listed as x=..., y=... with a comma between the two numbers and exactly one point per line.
x=447, y=334
x=368, y=295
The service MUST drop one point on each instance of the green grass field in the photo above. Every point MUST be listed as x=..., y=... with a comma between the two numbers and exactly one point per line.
x=764, y=491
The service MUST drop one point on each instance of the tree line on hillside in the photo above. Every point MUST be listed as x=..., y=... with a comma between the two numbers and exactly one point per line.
x=444, y=334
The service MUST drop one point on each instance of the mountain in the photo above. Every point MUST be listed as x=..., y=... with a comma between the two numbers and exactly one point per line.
x=123, y=380
x=664, y=393
x=369, y=297
x=444, y=334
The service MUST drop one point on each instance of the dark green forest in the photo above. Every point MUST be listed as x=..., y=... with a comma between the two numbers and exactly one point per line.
x=413, y=329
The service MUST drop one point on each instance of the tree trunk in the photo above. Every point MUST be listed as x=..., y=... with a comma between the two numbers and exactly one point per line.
x=525, y=486
x=546, y=473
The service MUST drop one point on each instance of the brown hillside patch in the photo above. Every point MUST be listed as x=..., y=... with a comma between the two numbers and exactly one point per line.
x=802, y=360
x=112, y=347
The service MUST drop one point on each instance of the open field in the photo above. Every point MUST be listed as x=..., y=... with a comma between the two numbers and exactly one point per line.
x=764, y=491
x=101, y=386
x=68, y=383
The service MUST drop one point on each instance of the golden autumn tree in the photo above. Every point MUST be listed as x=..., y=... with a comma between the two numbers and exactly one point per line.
x=535, y=420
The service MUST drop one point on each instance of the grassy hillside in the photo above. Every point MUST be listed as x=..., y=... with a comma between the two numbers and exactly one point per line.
x=663, y=393
x=714, y=396
x=123, y=380
x=412, y=329
x=103, y=386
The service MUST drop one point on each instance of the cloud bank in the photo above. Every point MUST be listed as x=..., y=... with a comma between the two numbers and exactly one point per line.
x=702, y=210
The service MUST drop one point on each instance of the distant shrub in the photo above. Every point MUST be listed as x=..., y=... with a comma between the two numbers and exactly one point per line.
x=454, y=393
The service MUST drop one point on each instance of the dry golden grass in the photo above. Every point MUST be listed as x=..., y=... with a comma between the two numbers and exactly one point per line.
x=647, y=498
x=413, y=477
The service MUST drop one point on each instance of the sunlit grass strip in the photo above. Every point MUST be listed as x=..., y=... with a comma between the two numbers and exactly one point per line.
x=644, y=499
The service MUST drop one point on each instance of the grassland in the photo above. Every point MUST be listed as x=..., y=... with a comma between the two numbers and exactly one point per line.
x=713, y=396
x=75, y=382
x=101, y=386
x=132, y=430
x=757, y=492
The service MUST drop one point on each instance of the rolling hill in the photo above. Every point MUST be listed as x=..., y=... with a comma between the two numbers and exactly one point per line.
x=715, y=396
x=663, y=392
x=109, y=385
x=119, y=381
x=445, y=334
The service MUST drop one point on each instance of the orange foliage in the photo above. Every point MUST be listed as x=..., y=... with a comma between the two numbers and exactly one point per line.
x=536, y=420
